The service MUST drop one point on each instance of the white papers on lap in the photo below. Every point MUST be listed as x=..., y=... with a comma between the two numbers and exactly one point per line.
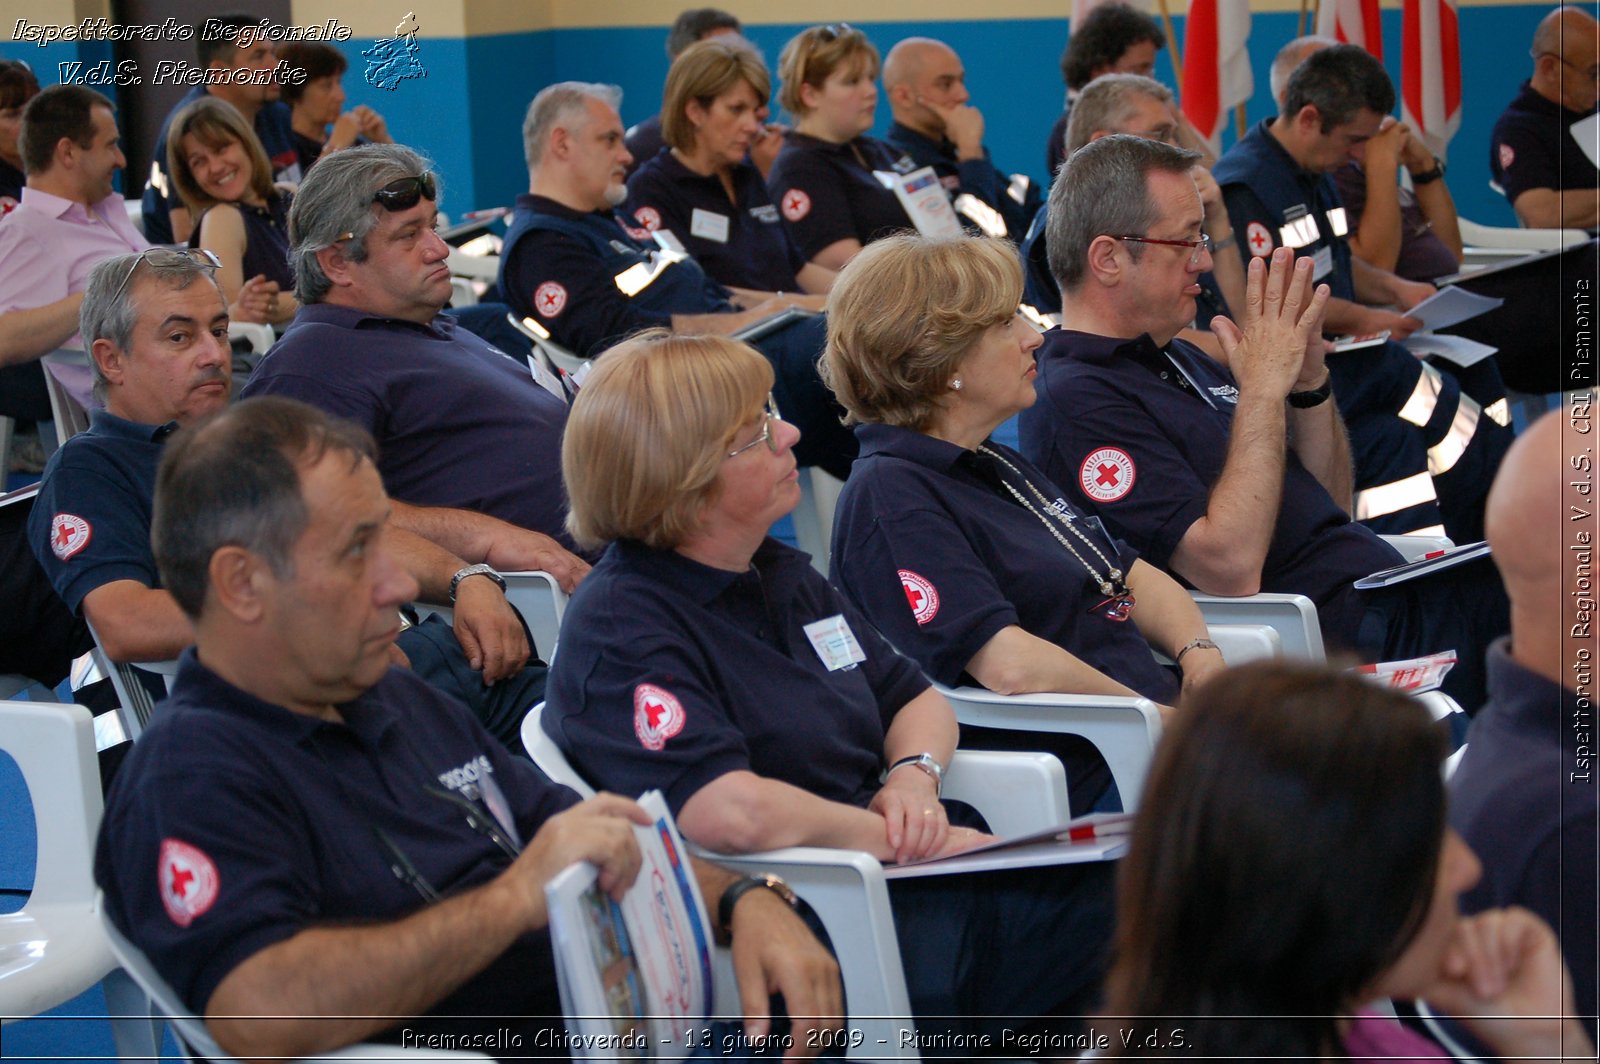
x=1451, y=306
x=633, y=974
x=1095, y=837
x=1413, y=675
x=1454, y=349
x=926, y=203
x=1586, y=131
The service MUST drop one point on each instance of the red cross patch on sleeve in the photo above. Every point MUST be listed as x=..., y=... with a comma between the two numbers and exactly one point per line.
x=1107, y=474
x=69, y=534
x=922, y=596
x=657, y=716
x=1258, y=239
x=550, y=299
x=796, y=204
x=187, y=879
x=649, y=217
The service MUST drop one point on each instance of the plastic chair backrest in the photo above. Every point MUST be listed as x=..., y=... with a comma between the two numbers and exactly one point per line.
x=540, y=600
x=1293, y=616
x=548, y=756
x=53, y=745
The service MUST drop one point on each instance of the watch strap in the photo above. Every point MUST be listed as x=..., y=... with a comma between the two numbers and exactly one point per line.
x=742, y=886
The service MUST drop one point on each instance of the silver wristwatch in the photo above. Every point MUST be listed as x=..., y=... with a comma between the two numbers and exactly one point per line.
x=474, y=570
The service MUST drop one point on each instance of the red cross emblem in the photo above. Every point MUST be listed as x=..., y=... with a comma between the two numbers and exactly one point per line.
x=649, y=217
x=922, y=596
x=1258, y=238
x=657, y=716
x=796, y=204
x=549, y=299
x=1107, y=474
x=187, y=879
x=69, y=534
x=1507, y=156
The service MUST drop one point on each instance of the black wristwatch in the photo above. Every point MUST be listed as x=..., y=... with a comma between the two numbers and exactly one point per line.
x=474, y=570
x=1314, y=397
x=1428, y=177
x=738, y=889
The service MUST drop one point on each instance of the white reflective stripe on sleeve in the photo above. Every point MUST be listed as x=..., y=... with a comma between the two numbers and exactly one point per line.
x=1424, y=397
x=980, y=214
x=1337, y=222
x=1300, y=232
x=1395, y=496
x=1443, y=456
x=639, y=276
x=1499, y=412
x=1018, y=189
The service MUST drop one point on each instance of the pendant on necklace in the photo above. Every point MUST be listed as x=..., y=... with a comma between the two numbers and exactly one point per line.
x=1115, y=608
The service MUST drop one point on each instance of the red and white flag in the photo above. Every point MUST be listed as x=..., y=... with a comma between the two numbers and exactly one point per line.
x=1430, y=71
x=1352, y=22
x=1216, y=64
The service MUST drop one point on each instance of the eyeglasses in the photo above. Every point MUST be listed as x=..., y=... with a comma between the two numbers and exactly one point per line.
x=400, y=195
x=165, y=259
x=1197, y=247
x=1593, y=73
x=771, y=414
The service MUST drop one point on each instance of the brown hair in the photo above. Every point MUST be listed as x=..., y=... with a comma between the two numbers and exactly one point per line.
x=649, y=431
x=703, y=72
x=814, y=54
x=214, y=123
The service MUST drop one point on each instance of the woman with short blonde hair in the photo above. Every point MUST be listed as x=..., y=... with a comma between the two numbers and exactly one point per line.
x=957, y=548
x=823, y=180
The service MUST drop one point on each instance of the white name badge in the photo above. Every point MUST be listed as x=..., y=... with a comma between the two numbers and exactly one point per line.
x=708, y=225
x=835, y=643
x=1322, y=263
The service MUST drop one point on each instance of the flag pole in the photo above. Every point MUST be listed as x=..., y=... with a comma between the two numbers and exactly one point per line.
x=1312, y=6
x=1239, y=120
x=1172, y=43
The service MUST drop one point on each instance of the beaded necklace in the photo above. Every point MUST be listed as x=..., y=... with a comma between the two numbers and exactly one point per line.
x=1119, y=600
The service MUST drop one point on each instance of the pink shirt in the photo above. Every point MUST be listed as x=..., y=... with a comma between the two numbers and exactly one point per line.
x=1372, y=1037
x=48, y=245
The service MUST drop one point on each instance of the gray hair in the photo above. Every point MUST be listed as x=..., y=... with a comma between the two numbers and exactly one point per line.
x=335, y=199
x=1103, y=189
x=1289, y=58
x=1107, y=103
x=108, y=311
x=561, y=104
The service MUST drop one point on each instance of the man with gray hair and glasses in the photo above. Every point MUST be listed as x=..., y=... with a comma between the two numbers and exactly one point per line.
x=157, y=330
x=1185, y=456
x=469, y=443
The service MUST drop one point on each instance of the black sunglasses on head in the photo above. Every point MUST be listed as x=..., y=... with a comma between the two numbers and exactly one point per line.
x=402, y=195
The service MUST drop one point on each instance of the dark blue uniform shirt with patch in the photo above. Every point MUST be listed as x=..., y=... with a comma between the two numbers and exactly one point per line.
x=1140, y=445
x=827, y=192
x=458, y=422
x=932, y=548
x=1532, y=147
x=90, y=524
x=673, y=673
x=1015, y=203
x=236, y=824
x=742, y=243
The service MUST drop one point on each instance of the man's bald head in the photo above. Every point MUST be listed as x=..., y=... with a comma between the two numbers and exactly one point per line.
x=905, y=62
x=1558, y=25
x=1289, y=57
x=1566, y=58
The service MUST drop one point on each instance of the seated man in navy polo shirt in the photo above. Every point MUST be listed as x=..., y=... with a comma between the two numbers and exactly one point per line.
x=1184, y=457
x=1426, y=442
x=1550, y=181
x=310, y=845
x=470, y=444
x=935, y=126
x=591, y=276
x=157, y=331
x=1524, y=795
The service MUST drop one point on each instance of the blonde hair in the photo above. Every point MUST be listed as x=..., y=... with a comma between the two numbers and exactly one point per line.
x=904, y=313
x=812, y=55
x=703, y=72
x=649, y=431
x=214, y=123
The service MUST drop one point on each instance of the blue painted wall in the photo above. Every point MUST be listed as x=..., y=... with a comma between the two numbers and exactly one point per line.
x=467, y=112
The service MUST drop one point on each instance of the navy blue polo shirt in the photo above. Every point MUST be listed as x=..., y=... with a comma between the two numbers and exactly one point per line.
x=741, y=243
x=827, y=192
x=272, y=125
x=1527, y=806
x=458, y=422
x=1532, y=147
x=1141, y=446
x=90, y=524
x=673, y=673
x=975, y=177
x=937, y=554
x=235, y=824
x=1273, y=201
x=573, y=291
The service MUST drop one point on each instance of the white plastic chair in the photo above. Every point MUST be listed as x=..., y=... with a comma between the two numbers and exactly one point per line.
x=540, y=600
x=52, y=949
x=190, y=1031
x=847, y=887
x=70, y=415
x=260, y=337
x=135, y=704
x=813, y=515
x=1293, y=617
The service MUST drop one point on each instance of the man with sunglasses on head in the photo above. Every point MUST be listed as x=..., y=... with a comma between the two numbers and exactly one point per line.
x=469, y=443
x=157, y=331
x=1534, y=154
x=314, y=848
x=1233, y=475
